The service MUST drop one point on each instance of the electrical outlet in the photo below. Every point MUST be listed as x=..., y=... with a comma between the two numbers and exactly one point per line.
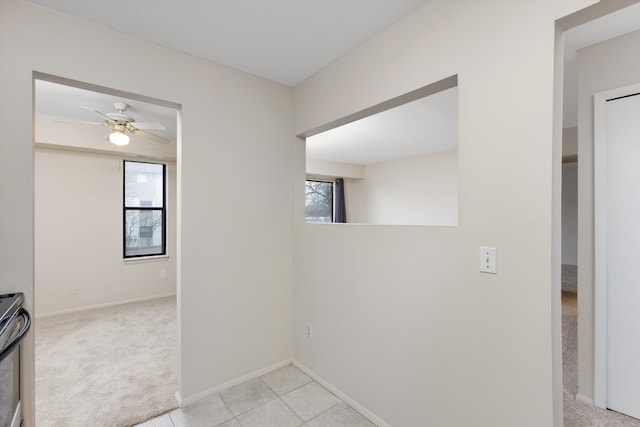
x=309, y=330
x=163, y=273
x=487, y=260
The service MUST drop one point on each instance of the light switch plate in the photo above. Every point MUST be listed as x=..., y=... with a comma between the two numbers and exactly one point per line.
x=487, y=260
x=308, y=330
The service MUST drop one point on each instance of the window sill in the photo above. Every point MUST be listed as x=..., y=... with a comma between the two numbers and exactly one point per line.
x=143, y=259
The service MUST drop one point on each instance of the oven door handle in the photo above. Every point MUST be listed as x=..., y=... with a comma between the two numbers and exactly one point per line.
x=16, y=340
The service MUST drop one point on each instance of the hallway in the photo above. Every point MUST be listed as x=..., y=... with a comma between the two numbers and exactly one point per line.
x=576, y=413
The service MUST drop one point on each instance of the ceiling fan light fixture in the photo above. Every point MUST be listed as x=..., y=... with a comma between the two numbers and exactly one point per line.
x=118, y=137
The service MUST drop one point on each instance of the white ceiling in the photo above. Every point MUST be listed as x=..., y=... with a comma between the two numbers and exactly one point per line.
x=287, y=41
x=60, y=120
x=281, y=40
x=427, y=125
x=613, y=25
x=62, y=101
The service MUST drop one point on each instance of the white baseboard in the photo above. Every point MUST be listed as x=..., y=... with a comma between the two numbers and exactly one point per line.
x=342, y=396
x=182, y=402
x=583, y=398
x=109, y=304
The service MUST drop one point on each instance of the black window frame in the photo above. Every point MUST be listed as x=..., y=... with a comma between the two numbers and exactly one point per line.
x=162, y=209
x=333, y=199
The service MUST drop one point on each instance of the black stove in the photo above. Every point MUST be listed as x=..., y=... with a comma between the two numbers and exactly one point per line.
x=10, y=304
x=14, y=324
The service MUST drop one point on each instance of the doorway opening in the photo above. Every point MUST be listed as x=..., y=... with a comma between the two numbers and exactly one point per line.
x=616, y=232
x=596, y=43
x=105, y=321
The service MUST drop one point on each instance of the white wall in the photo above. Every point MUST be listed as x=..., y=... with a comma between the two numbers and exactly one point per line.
x=416, y=191
x=604, y=66
x=403, y=321
x=78, y=235
x=570, y=213
x=234, y=268
x=327, y=168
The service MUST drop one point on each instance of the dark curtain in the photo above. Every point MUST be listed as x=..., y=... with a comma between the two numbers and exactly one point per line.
x=341, y=212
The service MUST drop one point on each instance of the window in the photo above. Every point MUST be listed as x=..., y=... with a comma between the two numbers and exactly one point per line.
x=318, y=201
x=144, y=210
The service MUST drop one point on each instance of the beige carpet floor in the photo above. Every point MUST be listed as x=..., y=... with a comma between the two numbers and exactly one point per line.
x=108, y=367
x=576, y=413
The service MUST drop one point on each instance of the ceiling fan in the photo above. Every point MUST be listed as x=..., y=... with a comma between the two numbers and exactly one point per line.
x=121, y=123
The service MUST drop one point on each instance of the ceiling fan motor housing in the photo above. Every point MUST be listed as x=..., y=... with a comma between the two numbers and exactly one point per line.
x=121, y=107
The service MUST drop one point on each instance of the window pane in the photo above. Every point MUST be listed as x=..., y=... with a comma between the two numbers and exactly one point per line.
x=319, y=201
x=143, y=185
x=143, y=232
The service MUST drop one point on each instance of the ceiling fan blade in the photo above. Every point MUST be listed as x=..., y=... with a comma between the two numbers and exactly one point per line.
x=97, y=112
x=80, y=122
x=157, y=138
x=149, y=126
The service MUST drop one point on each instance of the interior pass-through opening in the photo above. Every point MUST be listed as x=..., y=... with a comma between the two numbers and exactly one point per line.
x=395, y=163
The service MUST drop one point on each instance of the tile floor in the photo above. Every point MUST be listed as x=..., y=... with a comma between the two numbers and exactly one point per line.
x=282, y=398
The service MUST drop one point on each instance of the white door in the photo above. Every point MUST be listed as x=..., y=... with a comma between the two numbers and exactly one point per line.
x=623, y=254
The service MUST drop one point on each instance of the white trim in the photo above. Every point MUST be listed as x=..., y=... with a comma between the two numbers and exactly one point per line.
x=342, y=396
x=141, y=259
x=109, y=304
x=182, y=402
x=322, y=178
x=583, y=398
x=599, y=252
x=17, y=419
x=600, y=242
